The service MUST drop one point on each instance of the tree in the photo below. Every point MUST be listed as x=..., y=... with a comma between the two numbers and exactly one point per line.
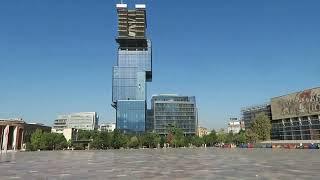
x=84, y=135
x=197, y=141
x=261, y=126
x=240, y=138
x=59, y=141
x=119, y=140
x=151, y=139
x=162, y=140
x=251, y=137
x=221, y=137
x=47, y=141
x=69, y=143
x=230, y=137
x=170, y=138
x=36, y=140
x=211, y=139
x=178, y=137
x=106, y=140
x=134, y=142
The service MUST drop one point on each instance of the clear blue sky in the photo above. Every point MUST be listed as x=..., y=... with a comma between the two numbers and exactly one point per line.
x=56, y=56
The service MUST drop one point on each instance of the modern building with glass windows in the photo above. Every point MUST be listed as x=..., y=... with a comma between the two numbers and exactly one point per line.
x=296, y=116
x=170, y=110
x=133, y=69
x=81, y=120
x=249, y=113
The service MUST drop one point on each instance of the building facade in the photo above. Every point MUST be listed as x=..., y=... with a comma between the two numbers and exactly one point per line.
x=81, y=120
x=149, y=121
x=170, y=110
x=60, y=123
x=133, y=69
x=235, y=125
x=296, y=116
x=249, y=113
x=108, y=127
x=14, y=133
x=69, y=133
x=202, y=131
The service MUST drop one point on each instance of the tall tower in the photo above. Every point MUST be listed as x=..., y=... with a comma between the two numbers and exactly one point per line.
x=133, y=69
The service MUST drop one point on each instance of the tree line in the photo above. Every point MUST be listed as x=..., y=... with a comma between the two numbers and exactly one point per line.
x=259, y=131
x=46, y=141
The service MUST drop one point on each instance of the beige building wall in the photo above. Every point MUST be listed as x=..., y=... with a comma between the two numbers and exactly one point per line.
x=202, y=131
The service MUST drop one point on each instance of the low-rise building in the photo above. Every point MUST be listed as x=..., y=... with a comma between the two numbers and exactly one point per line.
x=14, y=133
x=108, y=127
x=235, y=125
x=202, y=131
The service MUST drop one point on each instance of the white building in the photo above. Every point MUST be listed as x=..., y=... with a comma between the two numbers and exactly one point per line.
x=60, y=123
x=80, y=120
x=68, y=133
x=235, y=125
x=109, y=127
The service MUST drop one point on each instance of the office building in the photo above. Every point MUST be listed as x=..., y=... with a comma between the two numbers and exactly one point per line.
x=108, y=127
x=249, y=113
x=296, y=116
x=171, y=110
x=149, y=121
x=235, y=125
x=81, y=120
x=60, y=123
x=14, y=133
x=132, y=70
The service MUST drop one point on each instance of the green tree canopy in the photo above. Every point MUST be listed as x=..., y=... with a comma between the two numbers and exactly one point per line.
x=47, y=141
x=221, y=137
x=151, y=139
x=240, y=138
x=230, y=138
x=197, y=141
x=251, y=137
x=210, y=139
x=176, y=137
x=134, y=142
x=36, y=140
x=261, y=126
x=119, y=140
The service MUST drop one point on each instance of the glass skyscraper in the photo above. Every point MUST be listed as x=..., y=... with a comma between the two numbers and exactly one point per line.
x=171, y=110
x=133, y=69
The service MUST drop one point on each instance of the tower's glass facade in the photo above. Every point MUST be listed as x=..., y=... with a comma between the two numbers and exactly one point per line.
x=173, y=110
x=132, y=71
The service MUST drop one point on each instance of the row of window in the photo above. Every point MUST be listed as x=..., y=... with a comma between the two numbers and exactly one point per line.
x=164, y=118
x=174, y=114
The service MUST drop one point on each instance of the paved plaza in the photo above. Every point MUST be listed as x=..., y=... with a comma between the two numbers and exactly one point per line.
x=201, y=163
